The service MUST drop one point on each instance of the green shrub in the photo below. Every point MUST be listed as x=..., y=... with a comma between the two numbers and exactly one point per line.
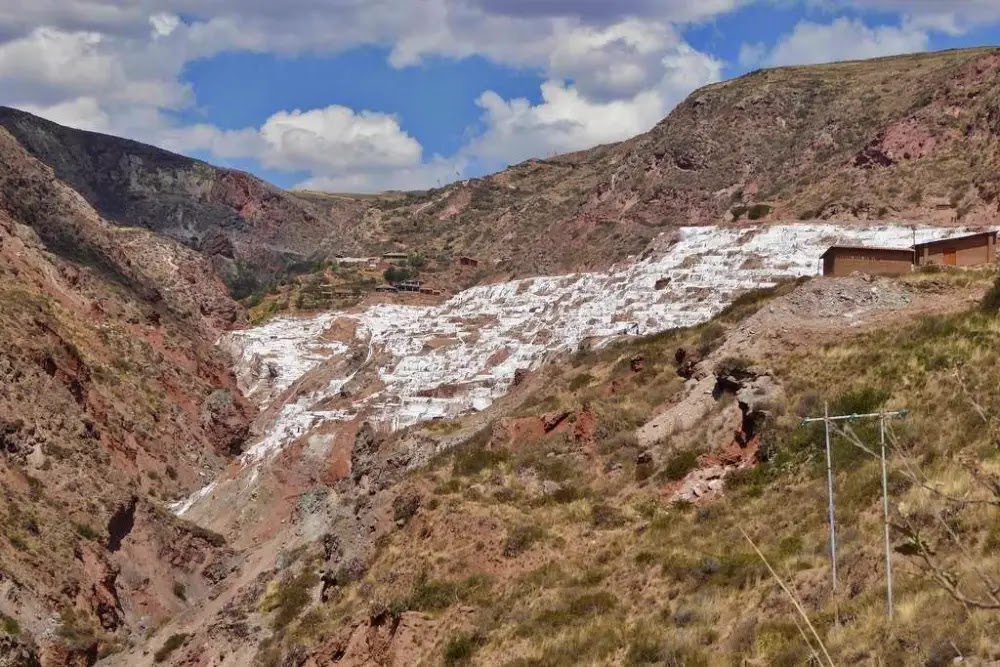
x=86, y=532
x=678, y=466
x=991, y=301
x=404, y=506
x=758, y=211
x=520, y=538
x=289, y=599
x=396, y=274
x=460, y=649
x=437, y=595
x=173, y=643
x=9, y=625
x=180, y=591
x=474, y=455
x=605, y=516
x=580, y=381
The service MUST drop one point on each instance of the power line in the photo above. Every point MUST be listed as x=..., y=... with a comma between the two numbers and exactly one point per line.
x=827, y=419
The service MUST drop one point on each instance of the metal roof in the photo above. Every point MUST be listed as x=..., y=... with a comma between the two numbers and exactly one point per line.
x=865, y=247
x=953, y=239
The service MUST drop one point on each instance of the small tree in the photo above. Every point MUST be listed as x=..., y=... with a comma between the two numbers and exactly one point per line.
x=395, y=274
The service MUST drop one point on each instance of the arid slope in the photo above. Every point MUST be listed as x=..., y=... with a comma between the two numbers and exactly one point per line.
x=905, y=138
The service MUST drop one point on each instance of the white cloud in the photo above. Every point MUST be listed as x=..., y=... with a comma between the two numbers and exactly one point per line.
x=337, y=144
x=950, y=16
x=844, y=39
x=611, y=69
x=434, y=173
x=83, y=112
x=752, y=54
x=164, y=24
x=336, y=138
x=567, y=120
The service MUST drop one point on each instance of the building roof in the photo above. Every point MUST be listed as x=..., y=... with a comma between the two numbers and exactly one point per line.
x=935, y=242
x=834, y=248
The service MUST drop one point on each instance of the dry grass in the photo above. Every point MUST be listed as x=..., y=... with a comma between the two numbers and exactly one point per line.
x=608, y=574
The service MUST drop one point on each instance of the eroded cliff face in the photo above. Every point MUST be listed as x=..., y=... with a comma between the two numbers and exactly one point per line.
x=112, y=396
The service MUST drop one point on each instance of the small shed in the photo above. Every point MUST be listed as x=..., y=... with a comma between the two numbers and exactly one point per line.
x=468, y=261
x=395, y=256
x=971, y=250
x=843, y=260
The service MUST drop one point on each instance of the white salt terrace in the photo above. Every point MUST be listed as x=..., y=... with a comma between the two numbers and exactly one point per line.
x=527, y=320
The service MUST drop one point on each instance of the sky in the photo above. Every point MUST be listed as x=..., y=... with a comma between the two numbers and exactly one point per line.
x=371, y=95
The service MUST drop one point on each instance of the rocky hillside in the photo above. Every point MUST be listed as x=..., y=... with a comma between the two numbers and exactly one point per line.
x=112, y=398
x=563, y=469
x=595, y=515
x=903, y=138
x=248, y=227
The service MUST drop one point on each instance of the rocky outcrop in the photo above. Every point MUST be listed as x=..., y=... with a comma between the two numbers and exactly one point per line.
x=252, y=228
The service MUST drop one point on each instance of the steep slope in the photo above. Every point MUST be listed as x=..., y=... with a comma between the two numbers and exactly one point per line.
x=904, y=138
x=111, y=397
x=248, y=226
x=544, y=531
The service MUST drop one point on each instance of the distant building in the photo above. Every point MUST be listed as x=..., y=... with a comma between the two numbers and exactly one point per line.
x=386, y=288
x=468, y=261
x=409, y=286
x=395, y=256
x=972, y=250
x=841, y=260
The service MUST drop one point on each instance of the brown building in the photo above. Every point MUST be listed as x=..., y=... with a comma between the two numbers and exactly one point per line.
x=972, y=250
x=468, y=261
x=842, y=260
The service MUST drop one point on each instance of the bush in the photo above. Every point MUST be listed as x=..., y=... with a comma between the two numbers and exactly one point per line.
x=991, y=301
x=460, y=649
x=289, y=598
x=758, y=211
x=474, y=456
x=733, y=367
x=180, y=591
x=472, y=461
x=173, y=643
x=86, y=532
x=679, y=465
x=9, y=625
x=396, y=274
x=606, y=516
x=580, y=381
x=575, y=608
x=520, y=538
x=437, y=595
x=404, y=506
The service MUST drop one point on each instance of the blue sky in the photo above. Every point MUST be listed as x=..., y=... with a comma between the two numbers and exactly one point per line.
x=364, y=95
